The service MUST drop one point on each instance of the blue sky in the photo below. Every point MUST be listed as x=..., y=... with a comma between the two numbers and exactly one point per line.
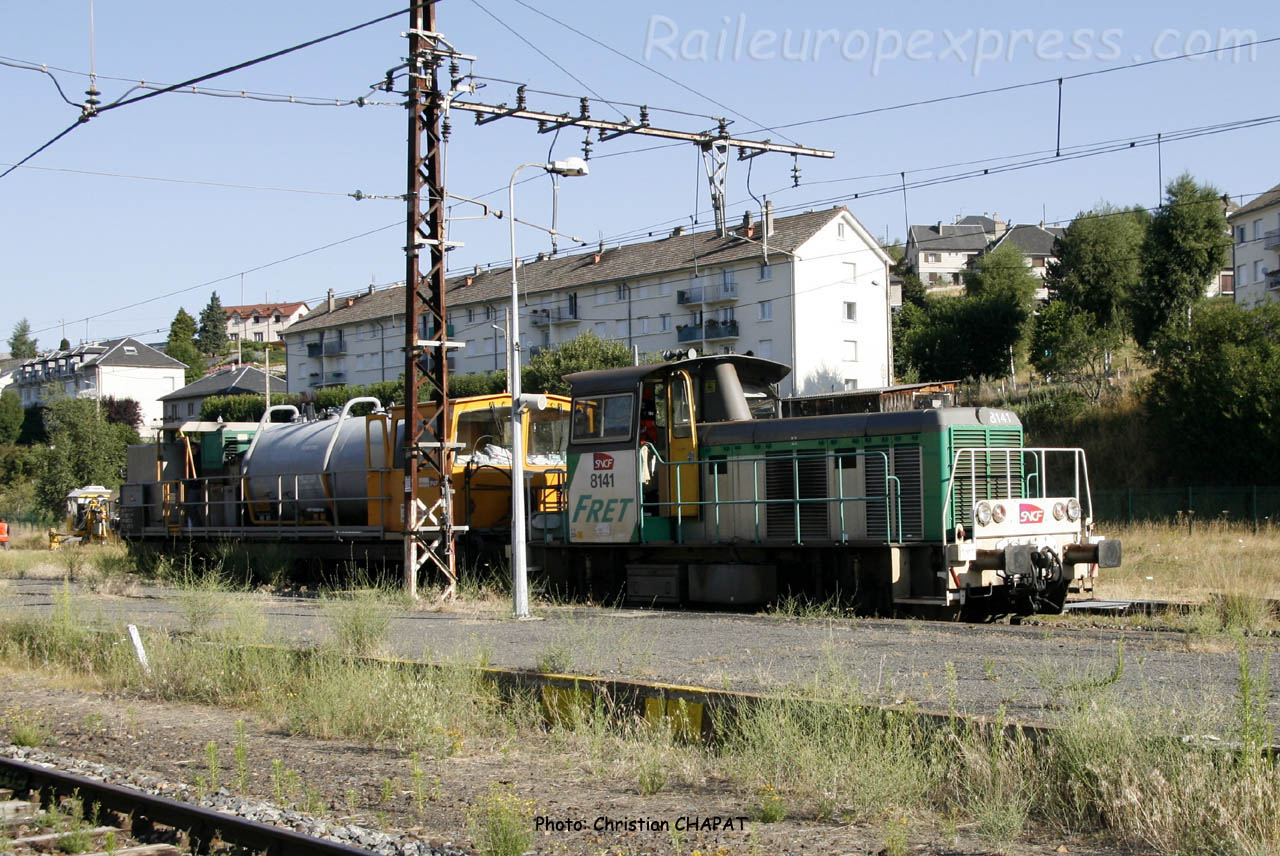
x=76, y=246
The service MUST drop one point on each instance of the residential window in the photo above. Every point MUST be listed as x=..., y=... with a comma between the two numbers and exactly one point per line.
x=766, y=310
x=620, y=293
x=850, y=384
x=1258, y=271
x=279, y=318
x=1257, y=228
x=488, y=313
x=620, y=328
x=602, y=296
x=664, y=288
x=233, y=336
x=257, y=337
x=1239, y=234
x=727, y=278
x=766, y=349
x=931, y=257
x=471, y=315
x=638, y=292
x=665, y=321
x=933, y=278
x=1241, y=276
x=840, y=231
x=850, y=311
x=850, y=351
x=191, y=408
x=641, y=326
x=602, y=329
x=257, y=320
x=766, y=272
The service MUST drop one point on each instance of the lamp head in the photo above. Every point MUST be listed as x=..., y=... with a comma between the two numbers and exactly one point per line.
x=568, y=166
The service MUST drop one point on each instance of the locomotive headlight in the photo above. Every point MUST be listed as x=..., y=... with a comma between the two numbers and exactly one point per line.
x=997, y=513
x=1059, y=511
x=983, y=513
x=1073, y=509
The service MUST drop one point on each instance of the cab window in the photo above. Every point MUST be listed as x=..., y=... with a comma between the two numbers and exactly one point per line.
x=602, y=418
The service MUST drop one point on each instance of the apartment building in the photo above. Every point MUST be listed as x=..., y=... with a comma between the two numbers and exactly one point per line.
x=261, y=322
x=810, y=290
x=119, y=368
x=1255, y=249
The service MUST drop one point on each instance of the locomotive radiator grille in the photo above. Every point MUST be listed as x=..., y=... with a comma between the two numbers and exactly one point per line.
x=990, y=475
x=783, y=472
x=906, y=467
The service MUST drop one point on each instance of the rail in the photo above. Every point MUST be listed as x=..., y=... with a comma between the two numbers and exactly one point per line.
x=201, y=824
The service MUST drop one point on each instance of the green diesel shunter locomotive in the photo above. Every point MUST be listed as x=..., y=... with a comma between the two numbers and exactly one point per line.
x=686, y=485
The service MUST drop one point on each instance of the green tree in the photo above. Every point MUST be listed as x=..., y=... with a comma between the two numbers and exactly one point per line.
x=546, y=371
x=1185, y=246
x=212, y=338
x=960, y=337
x=1098, y=264
x=64, y=344
x=21, y=344
x=11, y=416
x=1068, y=344
x=182, y=346
x=83, y=449
x=1219, y=383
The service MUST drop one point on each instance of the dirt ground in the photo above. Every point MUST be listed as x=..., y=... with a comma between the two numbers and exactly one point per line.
x=170, y=740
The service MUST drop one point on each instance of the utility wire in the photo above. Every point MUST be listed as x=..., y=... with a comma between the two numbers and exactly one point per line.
x=201, y=182
x=264, y=266
x=252, y=62
x=1014, y=86
x=548, y=58
x=89, y=111
x=650, y=68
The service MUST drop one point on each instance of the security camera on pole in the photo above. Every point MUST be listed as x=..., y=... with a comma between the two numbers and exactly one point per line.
x=519, y=560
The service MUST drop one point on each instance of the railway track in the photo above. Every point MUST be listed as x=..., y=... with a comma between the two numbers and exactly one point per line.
x=43, y=809
x=1145, y=607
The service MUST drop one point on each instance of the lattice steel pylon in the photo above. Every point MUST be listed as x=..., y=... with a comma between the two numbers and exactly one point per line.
x=429, y=532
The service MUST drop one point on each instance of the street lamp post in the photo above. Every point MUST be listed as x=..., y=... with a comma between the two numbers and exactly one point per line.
x=519, y=559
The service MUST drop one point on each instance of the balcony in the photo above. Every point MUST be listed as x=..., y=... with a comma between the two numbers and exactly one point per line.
x=1271, y=240
x=720, y=330
x=717, y=293
x=314, y=349
x=335, y=348
x=554, y=315
x=1273, y=279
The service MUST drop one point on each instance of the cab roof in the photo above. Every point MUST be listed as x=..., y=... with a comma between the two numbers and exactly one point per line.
x=625, y=379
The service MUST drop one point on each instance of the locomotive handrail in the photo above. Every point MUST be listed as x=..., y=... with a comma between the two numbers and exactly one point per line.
x=1038, y=454
x=892, y=499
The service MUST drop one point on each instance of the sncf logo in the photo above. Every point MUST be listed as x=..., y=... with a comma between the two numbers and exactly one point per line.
x=601, y=461
x=1030, y=513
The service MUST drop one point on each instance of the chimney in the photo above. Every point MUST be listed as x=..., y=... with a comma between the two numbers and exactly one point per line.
x=468, y=280
x=677, y=231
x=330, y=300
x=542, y=257
x=476, y=271
x=746, y=223
x=371, y=289
x=1041, y=224
x=351, y=301
x=939, y=227
x=768, y=219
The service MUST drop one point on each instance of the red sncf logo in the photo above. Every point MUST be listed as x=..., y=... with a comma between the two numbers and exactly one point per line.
x=601, y=461
x=1030, y=514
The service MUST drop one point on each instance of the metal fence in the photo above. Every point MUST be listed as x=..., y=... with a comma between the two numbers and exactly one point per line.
x=1249, y=504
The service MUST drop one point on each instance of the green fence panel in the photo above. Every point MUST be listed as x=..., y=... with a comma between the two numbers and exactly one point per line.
x=1249, y=504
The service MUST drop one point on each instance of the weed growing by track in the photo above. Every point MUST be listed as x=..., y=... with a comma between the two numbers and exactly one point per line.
x=1125, y=776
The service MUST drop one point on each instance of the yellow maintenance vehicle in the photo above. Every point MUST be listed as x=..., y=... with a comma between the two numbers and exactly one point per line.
x=90, y=512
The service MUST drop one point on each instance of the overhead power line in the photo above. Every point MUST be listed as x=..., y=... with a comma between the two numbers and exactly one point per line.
x=650, y=68
x=1015, y=86
x=207, y=283
x=89, y=110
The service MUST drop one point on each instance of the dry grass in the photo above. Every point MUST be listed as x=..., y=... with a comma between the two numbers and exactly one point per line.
x=1166, y=562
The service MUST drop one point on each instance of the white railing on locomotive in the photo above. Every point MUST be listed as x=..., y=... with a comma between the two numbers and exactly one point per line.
x=1031, y=484
x=892, y=496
